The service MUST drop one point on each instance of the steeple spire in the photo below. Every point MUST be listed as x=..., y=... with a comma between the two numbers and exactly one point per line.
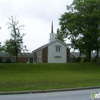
x=52, y=35
x=52, y=27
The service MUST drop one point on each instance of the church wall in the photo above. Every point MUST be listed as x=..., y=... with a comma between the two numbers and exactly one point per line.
x=45, y=55
x=57, y=57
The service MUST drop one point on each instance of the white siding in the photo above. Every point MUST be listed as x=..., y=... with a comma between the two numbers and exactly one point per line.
x=57, y=57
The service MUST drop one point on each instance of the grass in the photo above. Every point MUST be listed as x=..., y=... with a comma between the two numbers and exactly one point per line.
x=39, y=76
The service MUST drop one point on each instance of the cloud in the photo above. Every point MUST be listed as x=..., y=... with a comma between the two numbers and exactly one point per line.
x=40, y=9
x=43, y=9
x=36, y=15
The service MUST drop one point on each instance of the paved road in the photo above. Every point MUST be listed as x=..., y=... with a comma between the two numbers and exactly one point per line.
x=65, y=95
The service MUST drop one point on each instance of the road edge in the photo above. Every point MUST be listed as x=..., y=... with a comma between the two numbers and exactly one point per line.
x=44, y=91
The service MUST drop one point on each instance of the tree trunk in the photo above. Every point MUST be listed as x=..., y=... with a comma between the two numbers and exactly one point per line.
x=89, y=54
x=16, y=52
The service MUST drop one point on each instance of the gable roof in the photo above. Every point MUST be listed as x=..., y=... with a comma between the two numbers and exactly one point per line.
x=72, y=55
x=76, y=54
x=48, y=44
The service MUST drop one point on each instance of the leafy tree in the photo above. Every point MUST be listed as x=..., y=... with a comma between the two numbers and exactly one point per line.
x=81, y=24
x=1, y=48
x=14, y=46
x=59, y=35
x=0, y=43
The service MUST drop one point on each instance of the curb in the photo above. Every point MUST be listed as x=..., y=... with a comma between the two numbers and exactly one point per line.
x=45, y=91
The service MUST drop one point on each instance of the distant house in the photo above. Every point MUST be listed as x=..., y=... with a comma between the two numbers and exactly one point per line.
x=53, y=52
x=74, y=55
x=22, y=58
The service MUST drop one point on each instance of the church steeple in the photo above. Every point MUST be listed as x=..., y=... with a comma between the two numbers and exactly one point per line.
x=52, y=35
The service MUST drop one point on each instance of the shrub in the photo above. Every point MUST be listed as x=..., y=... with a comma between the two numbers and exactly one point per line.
x=94, y=59
x=78, y=59
x=8, y=61
x=84, y=59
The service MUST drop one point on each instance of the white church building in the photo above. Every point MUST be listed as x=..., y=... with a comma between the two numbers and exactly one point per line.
x=53, y=52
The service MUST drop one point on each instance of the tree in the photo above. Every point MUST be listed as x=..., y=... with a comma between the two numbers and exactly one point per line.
x=0, y=43
x=14, y=46
x=59, y=35
x=1, y=48
x=81, y=23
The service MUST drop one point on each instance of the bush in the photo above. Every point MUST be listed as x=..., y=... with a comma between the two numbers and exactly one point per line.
x=94, y=59
x=84, y=59
x=78, y=59
x=8, y=61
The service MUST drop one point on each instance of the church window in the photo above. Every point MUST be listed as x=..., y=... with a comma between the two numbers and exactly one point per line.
x=57, y=48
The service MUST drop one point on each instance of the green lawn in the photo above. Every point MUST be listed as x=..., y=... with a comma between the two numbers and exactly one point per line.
x=38, y=76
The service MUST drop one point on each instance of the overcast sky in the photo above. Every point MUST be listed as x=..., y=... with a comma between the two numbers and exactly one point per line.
x=36, y=15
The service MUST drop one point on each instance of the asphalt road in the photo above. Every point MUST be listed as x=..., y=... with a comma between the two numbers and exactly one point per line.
x=65, y=95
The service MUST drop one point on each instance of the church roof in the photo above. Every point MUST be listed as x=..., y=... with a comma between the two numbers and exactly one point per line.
x=43, y=46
